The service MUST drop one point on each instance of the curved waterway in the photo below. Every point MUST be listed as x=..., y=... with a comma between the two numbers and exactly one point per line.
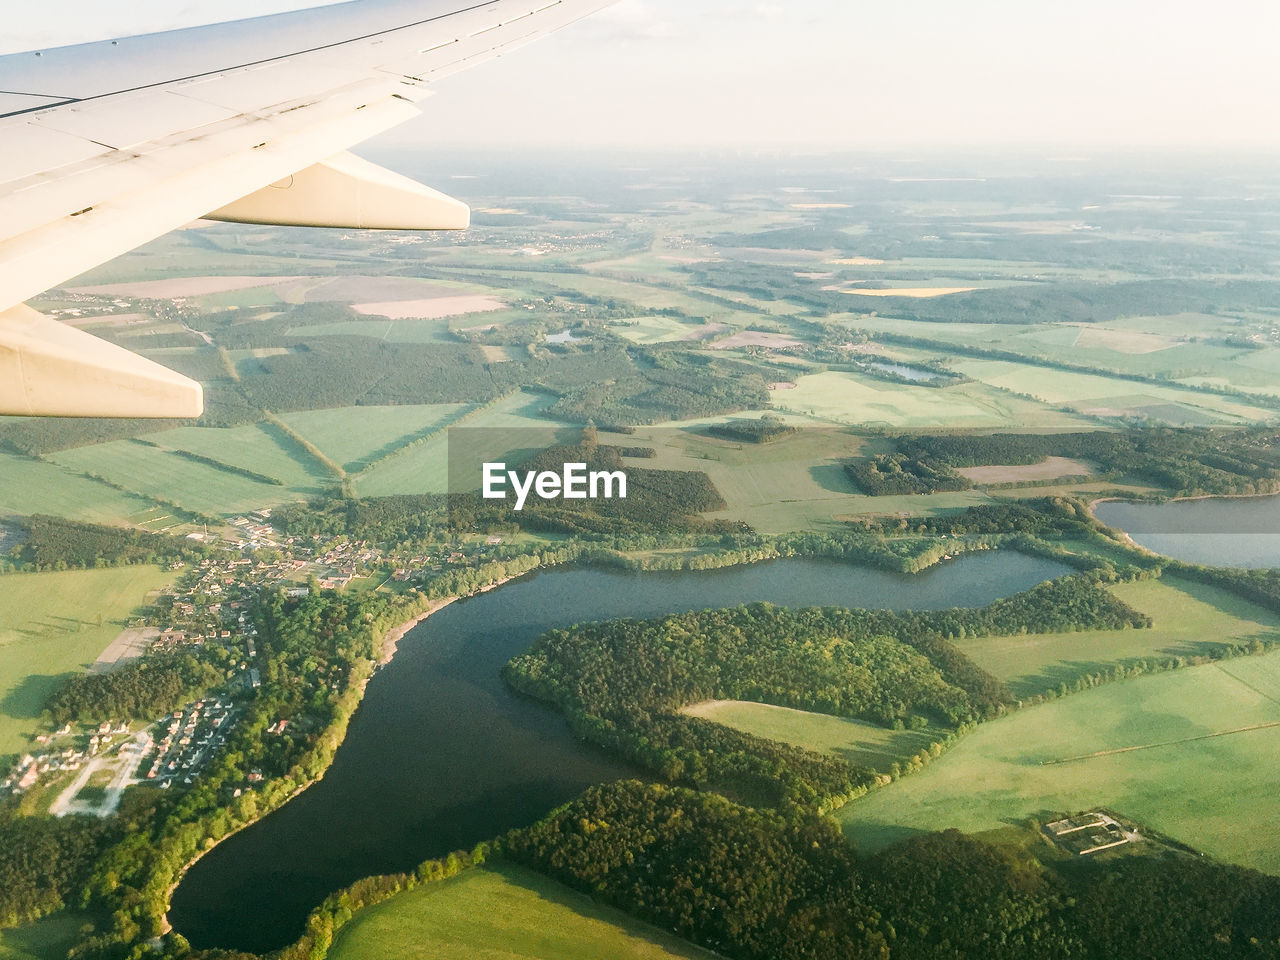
x=1217, y=531
x=441, y=755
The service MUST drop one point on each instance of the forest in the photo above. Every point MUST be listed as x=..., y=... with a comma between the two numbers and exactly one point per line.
x=44, y=860
x=755, y=885
x=142, y=690
x=665, y=386
x=894, y=474
x=55, y=543
x=656, y=501
x=621, y=683
x=1185, y=462
x=766, y=429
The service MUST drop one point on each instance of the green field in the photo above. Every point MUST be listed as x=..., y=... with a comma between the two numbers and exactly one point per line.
x=412, y=330
x=425, y=468
x=32, y=486
x=47, y=939
x=1217, y=794
x=501, y=913
x=49, y=626
x=795, y=483
x=262, y=448
x=860, y=743
x=1109, y=396
x=851, y=398
x=1190, y=619
x=653, y=329
x=356, y=436
x=159, y=473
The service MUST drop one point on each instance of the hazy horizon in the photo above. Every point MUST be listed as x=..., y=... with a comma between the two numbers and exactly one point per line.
x=824, y=76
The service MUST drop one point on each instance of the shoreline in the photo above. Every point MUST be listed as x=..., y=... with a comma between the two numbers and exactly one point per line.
x=383, y=655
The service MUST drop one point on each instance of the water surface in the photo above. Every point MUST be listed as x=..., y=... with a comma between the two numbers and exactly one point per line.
x=902, y=370
x=1217, y=531
x=441, y=755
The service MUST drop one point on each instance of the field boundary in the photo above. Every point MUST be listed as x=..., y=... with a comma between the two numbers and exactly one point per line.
x=1162, y=743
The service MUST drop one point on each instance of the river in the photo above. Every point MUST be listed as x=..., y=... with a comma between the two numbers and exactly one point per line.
x=1217, y=531
x=440, y=755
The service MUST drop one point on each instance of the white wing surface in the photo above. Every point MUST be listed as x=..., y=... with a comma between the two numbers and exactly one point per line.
x=105, y=146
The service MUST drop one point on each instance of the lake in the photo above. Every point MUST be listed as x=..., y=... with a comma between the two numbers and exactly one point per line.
x=902, y=370
x=441, y=755
x=1217, y=531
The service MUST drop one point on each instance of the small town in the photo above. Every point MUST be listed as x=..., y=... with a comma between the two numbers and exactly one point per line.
x=208, y=611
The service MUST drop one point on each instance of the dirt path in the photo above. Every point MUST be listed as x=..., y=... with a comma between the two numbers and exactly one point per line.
x=1162, y=743
x=129, y=644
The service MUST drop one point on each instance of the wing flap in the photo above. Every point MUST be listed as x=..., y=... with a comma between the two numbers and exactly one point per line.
x=109, y=145
x=346, y=191
x=50, y=369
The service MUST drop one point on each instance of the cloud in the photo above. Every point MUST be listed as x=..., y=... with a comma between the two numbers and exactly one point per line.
x=633, y=20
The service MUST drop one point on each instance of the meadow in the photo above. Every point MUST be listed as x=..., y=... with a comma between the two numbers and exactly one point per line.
x=1216, y=794
x=47, y=939
x=33, y=486
x=1108, y=396
x=860, y=743
x=1190, y=619
x=354, y=437
x=502, y=913
x=854, y=399
x=52, y=624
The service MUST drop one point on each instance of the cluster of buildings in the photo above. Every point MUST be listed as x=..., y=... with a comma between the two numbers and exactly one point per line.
x=26, y=773
x=212, y=609
x=254, y=531
x=192, y=735
x=1090, y=833
x=62, y=751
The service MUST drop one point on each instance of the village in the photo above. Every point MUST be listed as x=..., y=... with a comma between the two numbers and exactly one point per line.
x=209, y=612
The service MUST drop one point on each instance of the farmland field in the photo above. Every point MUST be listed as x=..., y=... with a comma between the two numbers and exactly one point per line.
x=502, y=913
x=425, y=467
x=860, y=743
x=47, y=939
x=794, y=483
x=1216, y=794
x=1190, y=619
x=261, y=448
x=31, y=486
x=1050, y=469
x=850, y=398
x=391, y=331
x=1107, y=396
x=356, y=436
x=159, y=473
x=662, y=329
x=57, y=623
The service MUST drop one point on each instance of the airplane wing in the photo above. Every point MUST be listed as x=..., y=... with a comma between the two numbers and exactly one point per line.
x=109, y=145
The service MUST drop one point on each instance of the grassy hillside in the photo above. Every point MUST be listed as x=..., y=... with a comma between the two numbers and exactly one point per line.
x=502, y=913
x=52, y=624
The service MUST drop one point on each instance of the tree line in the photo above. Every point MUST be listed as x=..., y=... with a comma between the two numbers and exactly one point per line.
x=622, y=683
x=56, y=543
x=142, y=690
x=755, y=885
x=1183, y=461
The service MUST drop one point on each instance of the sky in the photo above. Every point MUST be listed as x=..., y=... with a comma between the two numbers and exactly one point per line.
x=815, y=75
